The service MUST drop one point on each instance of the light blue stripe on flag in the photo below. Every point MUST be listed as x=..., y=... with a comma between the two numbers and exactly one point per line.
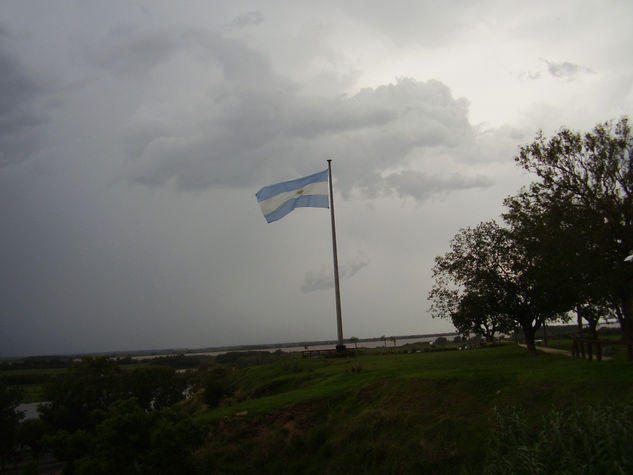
x=276, y=201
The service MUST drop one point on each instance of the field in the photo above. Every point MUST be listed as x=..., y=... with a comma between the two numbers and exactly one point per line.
x=393, y=411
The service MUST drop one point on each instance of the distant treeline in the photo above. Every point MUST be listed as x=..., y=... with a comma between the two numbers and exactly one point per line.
x=178, y=361
x=37, y=362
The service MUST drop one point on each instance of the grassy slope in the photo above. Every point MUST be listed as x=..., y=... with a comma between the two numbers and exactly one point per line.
x=401, y=413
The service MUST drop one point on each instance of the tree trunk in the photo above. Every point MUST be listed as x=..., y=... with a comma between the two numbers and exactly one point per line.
x=529, y=332
x=626, y=319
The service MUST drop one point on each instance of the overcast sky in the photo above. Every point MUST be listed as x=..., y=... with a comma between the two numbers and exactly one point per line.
x=134, y=135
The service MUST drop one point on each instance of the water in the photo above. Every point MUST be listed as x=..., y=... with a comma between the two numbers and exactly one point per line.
x=30, y=410
x=289, y=349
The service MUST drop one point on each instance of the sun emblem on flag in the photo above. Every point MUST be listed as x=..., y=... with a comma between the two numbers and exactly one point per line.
x=300, y=192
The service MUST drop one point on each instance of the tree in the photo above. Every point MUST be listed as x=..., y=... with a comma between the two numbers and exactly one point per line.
x=393, y=340
x=384, y=340
x=440, y=341
x=476, y=314
x=10, y=419
x=584, y=187
x=487, y=273
x=130, y=439
x=354, y=340
x=218, y=383
x=31, y=434
x=80, y=396
x=155, y=387
x=592, y=315
x=556, y=235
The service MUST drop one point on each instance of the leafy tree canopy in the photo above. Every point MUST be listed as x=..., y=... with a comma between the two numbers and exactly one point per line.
x=564, y=246
x=578, y=214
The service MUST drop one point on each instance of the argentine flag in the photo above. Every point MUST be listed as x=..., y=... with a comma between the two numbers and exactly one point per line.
x=280, y=199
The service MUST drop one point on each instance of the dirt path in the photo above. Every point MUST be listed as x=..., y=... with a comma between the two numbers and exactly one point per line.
x=556, y=351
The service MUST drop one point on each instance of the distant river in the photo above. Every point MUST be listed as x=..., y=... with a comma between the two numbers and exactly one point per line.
x=30, y=410
x=361, y=344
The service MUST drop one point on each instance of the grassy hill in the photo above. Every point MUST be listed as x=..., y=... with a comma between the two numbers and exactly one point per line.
x=397, y=413
x=390, y=410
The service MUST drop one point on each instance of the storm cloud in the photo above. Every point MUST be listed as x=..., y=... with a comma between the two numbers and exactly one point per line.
x=19, y=117
x=134, y=135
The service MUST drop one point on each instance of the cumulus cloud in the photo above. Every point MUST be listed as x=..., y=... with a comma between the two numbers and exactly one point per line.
x=323, y=278
x=228, y=119
x=246, y=124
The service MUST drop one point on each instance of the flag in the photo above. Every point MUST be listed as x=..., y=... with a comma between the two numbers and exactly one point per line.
x=280, y=199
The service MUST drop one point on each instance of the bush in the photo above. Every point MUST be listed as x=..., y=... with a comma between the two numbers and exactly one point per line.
x=218, y=384
x=588, y=440
x=440, y=341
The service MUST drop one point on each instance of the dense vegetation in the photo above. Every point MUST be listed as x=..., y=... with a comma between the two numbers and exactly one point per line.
x=565, y=246
x=397, y=412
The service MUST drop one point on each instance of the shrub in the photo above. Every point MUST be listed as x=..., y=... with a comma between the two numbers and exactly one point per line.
x=579, y=441
x=440, y=341
x=218, y=383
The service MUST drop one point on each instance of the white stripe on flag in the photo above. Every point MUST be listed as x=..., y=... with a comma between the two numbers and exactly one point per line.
x=274, y=202
x=277, y=200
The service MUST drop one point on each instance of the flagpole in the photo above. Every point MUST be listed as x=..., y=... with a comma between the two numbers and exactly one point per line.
x=340, y=346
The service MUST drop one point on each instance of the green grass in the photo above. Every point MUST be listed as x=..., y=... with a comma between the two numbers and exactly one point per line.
x=507, y=369
x=394, y=413
x=30, y=382
x=401, y=412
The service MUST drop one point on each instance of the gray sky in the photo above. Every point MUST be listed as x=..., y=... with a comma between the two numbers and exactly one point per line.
x=134, y=134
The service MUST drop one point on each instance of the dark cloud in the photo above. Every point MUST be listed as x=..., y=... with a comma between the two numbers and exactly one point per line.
x=215, y=100
x=249, y=122
x=323, y=278
x=17, y=117
x=132, y=50
x=421, y=186
x=558, y=69
x=565, y=69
